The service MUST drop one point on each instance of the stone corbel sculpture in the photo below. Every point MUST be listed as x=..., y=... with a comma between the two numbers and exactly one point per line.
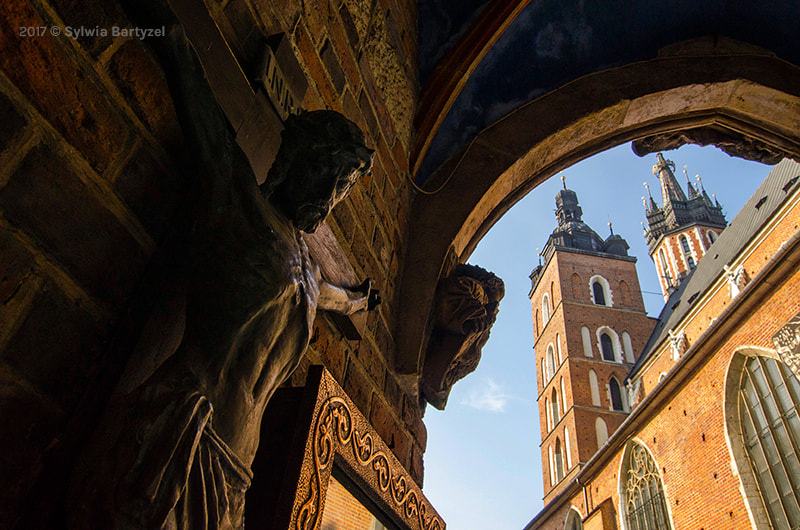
x=175, y=451
x=737, y=279
x=465, y=308
x=678, y=343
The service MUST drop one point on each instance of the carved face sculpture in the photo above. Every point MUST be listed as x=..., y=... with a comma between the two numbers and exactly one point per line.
x=322, y=155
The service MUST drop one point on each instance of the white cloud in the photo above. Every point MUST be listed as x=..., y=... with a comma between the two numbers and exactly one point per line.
x=489, y=397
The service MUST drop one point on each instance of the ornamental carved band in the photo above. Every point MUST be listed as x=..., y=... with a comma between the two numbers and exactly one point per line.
x=340, y=430
x=787, y=344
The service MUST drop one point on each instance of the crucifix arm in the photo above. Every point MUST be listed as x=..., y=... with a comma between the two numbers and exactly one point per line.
x=347, y=301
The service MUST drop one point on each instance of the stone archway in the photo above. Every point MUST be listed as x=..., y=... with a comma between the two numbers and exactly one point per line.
x=741, y=94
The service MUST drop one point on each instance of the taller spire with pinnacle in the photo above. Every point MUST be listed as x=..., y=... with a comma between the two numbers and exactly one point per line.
x=679, y=209
x=670, y=189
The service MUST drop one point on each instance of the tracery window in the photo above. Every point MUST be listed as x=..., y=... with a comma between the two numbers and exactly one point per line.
x=644, y=503
x=607, y=346
x=769, y=396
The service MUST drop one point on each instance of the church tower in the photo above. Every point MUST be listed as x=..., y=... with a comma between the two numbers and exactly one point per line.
x=680, y=231
x=589, y=326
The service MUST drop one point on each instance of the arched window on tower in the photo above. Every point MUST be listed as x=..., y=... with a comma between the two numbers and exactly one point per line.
x=586, y=337
x=607, y=346
x=552, y=467
x=627, y=346
x=558, y=348
x=687, y=253
x=599, y=295
x=545, y=310
x=554, y=407
x=594, y=388
x=567, y=454
x=550, y=362
x=601, y=430
x=559, y=457
x=548, y=415
x=712, y=236
x=616, y=394
x=642, y=491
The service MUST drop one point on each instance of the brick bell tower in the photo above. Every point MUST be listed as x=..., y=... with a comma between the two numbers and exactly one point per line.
x=589, y=326
x=679, y=233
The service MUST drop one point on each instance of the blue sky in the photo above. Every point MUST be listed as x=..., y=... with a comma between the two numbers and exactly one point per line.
x=483, y=463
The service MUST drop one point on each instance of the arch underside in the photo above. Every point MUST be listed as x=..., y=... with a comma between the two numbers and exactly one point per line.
x=748, y=102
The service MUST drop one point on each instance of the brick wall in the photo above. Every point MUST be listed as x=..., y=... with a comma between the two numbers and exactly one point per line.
x=566, y=280
x=91, y=191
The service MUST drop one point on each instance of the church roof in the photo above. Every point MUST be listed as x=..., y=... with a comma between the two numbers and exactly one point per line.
x=761, y=206
x=573, y=234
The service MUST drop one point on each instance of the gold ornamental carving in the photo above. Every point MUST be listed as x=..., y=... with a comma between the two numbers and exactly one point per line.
x=341, y=430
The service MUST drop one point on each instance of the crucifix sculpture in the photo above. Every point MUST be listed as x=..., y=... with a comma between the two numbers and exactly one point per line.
x=175, y=452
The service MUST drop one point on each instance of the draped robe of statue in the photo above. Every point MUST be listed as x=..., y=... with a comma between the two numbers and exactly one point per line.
x=175, y=452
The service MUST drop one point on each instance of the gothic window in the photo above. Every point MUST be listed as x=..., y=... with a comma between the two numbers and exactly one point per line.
x=545, y=310
x=586, y=337
x=548, y=415
x=594, y=388
x=566, y=449
x=644, y=502
x=599, y=296
x=550, y=362
x=628, y=346
x=686, y=252
x=769, y=396
x=563, y=398
x=573, y=521
x=712, y=236
x=559, y=457
x=601, y=291
x=601, y=430
x=664, y=269
x=558, y=348
x=554, y=407
x=616, y=394
x=544, y=374
x=552, y=467
x=607, y=347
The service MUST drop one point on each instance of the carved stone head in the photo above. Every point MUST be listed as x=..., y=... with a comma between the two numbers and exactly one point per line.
x=322, y=154
x=465, y=309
